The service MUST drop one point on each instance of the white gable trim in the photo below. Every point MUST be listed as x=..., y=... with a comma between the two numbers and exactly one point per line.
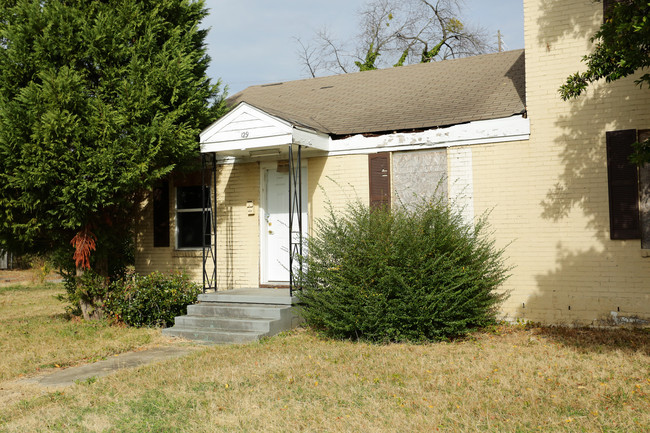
x=247, y=128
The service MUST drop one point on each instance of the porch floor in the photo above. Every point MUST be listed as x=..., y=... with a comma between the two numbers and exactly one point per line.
x=251, y=296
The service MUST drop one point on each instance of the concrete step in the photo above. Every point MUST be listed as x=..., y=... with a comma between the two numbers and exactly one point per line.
x=213, y=336
x=237, y=310
x=218, y=318
x=225, y=323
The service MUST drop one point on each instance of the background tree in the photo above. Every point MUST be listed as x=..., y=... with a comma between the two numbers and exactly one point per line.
x=394, y=33
x=98, y=101
x=622, y=47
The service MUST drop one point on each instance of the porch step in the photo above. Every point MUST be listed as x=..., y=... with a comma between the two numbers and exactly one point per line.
x=222, y=337
x=227, y=309
x=230, y=323
x=236, y=316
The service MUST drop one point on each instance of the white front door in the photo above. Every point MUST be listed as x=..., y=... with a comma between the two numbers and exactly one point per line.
x=275, y=225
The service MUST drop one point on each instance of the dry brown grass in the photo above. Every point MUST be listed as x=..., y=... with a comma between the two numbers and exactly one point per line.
x=512, y=379
x=36, y=335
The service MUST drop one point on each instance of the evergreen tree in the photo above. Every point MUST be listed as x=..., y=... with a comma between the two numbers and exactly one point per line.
x=98, y=101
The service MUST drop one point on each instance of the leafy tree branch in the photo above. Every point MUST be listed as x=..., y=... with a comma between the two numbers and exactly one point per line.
x=622, y=48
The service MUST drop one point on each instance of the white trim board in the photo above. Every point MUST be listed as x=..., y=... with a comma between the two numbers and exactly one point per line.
x=514, y=128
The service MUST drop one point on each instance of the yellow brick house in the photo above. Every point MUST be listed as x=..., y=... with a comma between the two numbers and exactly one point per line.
x=490, y=132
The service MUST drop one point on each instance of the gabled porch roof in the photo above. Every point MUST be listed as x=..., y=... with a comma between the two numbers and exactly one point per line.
x=248, y=132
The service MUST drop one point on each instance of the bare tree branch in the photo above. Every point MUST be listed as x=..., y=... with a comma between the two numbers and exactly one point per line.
x=308, y=57
x=332, y=50
x=398, y=32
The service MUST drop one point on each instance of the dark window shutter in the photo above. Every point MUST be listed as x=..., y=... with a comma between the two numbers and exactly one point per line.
x=606, y=5
x=161, y=215
x=622, y=176
x=644, y=196
x=379, y=167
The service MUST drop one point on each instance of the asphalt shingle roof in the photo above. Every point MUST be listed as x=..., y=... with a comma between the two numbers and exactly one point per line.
x=411, y=97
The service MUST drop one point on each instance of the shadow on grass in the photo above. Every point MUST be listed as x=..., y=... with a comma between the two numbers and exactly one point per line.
x=599, y=340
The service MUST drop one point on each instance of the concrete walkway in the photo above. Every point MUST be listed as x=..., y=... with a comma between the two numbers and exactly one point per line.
x=69, y=376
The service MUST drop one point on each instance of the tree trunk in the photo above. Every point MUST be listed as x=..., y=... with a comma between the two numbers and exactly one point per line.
x=90, y=304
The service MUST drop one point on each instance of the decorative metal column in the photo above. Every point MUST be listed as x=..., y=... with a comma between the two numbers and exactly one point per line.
x=209, y=219
x=295, y=217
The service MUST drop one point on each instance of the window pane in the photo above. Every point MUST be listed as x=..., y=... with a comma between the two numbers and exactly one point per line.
x=190, y=226
x=189, y=197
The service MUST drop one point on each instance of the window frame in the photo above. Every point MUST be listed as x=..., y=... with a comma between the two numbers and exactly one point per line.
x=207, y=238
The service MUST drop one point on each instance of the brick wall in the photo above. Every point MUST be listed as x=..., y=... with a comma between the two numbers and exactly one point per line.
x=238, y=233
x=548, y=196
x=238, y=258
x=337, y=180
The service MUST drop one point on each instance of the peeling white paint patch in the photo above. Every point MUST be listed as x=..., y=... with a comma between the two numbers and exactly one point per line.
x=619, y=319
x=512, y=128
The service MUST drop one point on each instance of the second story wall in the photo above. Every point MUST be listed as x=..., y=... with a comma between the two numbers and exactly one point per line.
x=549, y=197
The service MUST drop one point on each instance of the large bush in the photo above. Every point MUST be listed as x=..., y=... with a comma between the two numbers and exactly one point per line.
x=136, y=300
x=150, y=300
x=400, y=275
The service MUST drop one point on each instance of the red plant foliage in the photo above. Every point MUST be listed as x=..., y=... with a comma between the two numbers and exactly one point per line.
x=83, y=242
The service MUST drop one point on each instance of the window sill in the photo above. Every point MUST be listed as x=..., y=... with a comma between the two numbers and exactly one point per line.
x=188, y=253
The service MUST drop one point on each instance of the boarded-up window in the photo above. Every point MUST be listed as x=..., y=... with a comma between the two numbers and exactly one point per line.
x=161, y=215
x=379, y=167
x=623, y=185
x=419, y=175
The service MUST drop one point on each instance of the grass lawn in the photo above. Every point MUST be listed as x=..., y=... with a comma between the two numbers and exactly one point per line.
x=36, y=335
x=512, y=379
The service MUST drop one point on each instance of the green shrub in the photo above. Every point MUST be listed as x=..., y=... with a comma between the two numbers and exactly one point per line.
x=150, y=300
x=400, y=275
x=84, y=294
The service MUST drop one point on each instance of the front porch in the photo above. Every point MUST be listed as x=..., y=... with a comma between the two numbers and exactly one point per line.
x=278, y=148
x=250, y=136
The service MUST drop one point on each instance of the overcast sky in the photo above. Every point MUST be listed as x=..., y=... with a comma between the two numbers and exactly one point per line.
x=252, y=41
